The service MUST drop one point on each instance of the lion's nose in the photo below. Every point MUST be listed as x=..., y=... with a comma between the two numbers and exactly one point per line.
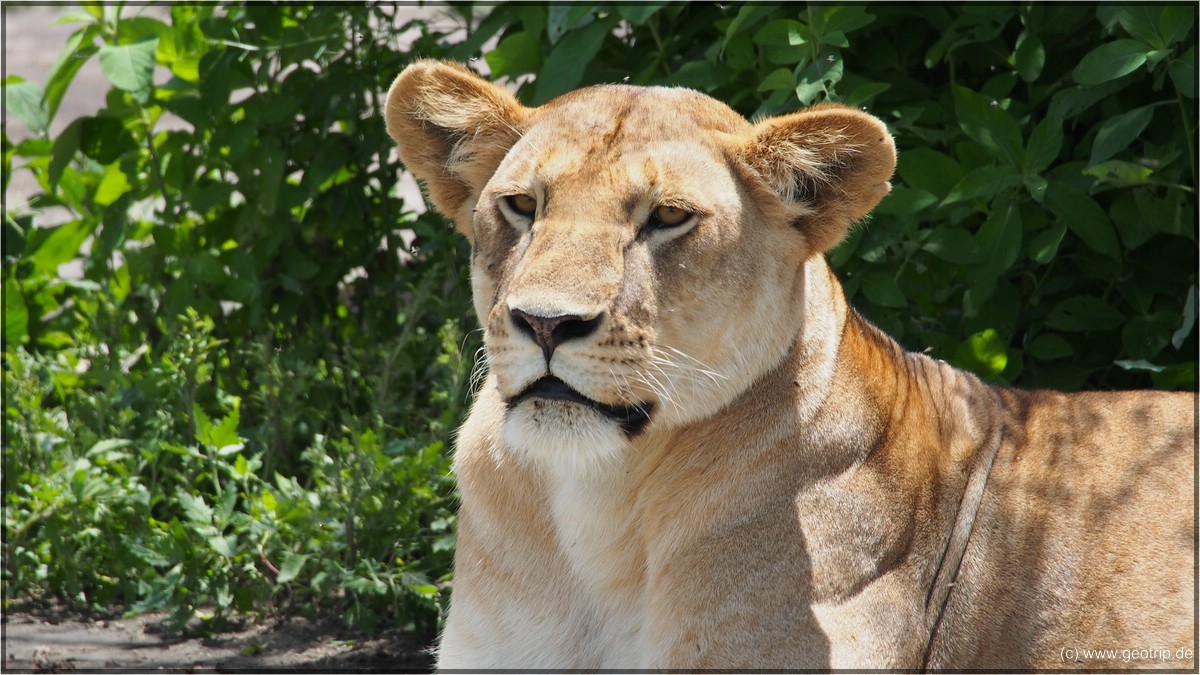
x=551, y=331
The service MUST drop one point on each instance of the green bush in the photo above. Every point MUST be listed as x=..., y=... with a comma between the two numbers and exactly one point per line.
x=249, y=395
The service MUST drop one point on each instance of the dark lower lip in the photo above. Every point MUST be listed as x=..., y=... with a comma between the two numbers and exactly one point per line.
x=631, y=419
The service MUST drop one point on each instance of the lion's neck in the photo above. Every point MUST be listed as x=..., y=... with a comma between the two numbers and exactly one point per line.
x=812, y=362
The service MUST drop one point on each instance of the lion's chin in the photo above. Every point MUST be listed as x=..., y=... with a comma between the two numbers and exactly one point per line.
x=554, y=424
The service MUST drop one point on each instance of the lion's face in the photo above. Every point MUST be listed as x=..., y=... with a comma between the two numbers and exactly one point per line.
x=637, y=253
x=612, y=268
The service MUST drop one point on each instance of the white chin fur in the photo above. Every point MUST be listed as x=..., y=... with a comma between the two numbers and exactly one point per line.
x=562, y=435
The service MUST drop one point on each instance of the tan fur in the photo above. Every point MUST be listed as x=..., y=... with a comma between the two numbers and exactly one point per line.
x=805, y=493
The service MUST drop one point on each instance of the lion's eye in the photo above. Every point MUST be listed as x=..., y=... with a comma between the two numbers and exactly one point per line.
x=668, y=216
x=522, y=205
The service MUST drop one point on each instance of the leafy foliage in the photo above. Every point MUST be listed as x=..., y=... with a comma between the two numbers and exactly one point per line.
x=249, y=394
x=246, y=396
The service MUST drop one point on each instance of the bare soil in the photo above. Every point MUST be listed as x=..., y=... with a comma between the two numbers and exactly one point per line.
x=52, y=641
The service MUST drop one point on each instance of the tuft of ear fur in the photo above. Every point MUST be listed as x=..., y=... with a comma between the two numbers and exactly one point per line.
x=828, y=166
x=452, y=128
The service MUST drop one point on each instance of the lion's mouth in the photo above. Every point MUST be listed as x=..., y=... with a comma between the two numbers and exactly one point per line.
x=632, y=419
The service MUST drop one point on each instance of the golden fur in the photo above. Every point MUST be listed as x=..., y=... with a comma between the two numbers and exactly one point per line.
x=731, y=468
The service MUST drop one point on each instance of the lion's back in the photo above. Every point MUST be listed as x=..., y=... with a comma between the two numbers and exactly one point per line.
x=1085, y=538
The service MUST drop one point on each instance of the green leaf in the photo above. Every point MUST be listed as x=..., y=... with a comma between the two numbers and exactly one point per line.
x=203, y=424
x=953, y=244
x=1085, y=218
x=1117, y=132
x=1179, y=376
x=221, y=435
x=565, y=65
x=819, y=78
x=105, y=139
x=1183, y=73
x=984, y=353
x=290, y=568
x=1044, y=144
x=147, y=555
x=929, y=170
x=1119, y=173
x=1189, y=319
x=112, y=185
x=1036, y=186
x=864, y=93
x=1139, y=364
x=780, y=78
x=271, y=160
x=225, y=546
x=130, y=67
x=65, y=148
x=25, y=101
x=1000, y=244
x=986, y=181
x=77, y=52
x=557, y=22
x=832, y=20
x=1140, y=20
x=748, y=15
x=1084, y=313
x=782, y=33
x=1030, y=56
x=1073, y=101
x=881, y=289
x=905, y=201
x=1044, y=247
x=1111, y=60
x=61, y=245
x=517, y=54
x=108, y=445
x=781, y=41
x=1175, y=22
x=1000, y=238
x=195, y=509
x=16, y=316
x=982, y=119
x=1049, y=347
x=1144, y=336
x=14, y=238
x=638, y=14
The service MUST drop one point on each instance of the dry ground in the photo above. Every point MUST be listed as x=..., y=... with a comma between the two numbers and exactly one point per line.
x=50, y=641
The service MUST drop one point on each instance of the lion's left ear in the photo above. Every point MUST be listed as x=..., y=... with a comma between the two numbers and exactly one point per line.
x=828, y=165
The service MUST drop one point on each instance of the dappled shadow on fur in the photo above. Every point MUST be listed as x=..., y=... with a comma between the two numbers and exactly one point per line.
x=1072, y=542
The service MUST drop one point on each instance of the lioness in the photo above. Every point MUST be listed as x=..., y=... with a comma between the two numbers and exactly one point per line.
x=690, y=453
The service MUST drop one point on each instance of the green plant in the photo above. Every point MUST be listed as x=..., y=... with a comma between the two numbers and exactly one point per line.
x=243, y=402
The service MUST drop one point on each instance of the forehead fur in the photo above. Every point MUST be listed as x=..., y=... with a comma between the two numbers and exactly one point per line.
x=616, y=112
x=643, y=138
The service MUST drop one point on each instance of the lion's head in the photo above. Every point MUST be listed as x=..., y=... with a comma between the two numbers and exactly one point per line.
x=638, y=254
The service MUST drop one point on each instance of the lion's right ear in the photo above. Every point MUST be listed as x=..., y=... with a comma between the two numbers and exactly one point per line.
x=453, y=128
x=828, y=166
